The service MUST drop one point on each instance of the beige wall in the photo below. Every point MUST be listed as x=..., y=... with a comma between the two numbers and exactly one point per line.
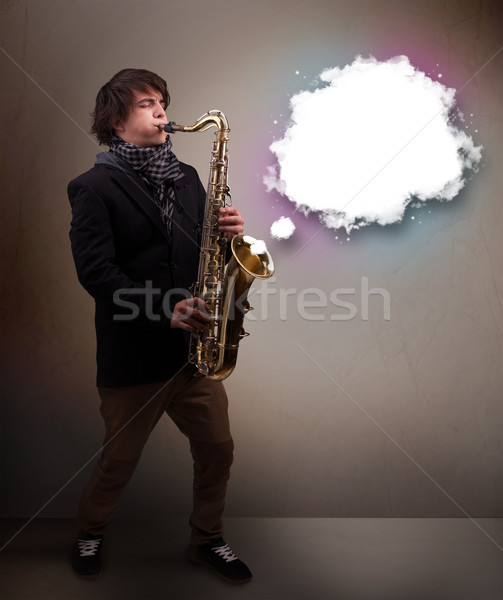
x=399, y=417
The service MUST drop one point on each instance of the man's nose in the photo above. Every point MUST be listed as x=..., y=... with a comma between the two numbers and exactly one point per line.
x=159, y=111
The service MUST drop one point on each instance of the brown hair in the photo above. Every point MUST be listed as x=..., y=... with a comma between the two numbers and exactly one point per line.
x=115, y=99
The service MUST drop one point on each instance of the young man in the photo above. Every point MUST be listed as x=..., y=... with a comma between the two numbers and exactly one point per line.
x=135, y=233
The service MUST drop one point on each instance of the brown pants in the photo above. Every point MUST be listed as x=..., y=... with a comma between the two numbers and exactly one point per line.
x=199, y=409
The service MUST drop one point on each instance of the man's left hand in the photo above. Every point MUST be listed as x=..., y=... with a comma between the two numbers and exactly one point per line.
x=230, y=222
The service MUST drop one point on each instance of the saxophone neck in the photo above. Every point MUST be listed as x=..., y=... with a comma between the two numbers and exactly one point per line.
x=213, y=118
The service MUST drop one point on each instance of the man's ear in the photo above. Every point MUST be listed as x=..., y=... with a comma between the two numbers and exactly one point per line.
x=118, y=126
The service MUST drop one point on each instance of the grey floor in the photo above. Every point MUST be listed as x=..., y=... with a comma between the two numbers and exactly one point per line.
x=318, y=559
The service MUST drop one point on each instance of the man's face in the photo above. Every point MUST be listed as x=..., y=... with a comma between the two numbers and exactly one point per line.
x=140, y=125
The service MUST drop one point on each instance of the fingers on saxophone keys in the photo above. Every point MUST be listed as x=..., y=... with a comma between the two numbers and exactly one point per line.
x=230, y=215
x=198, y=316
x=192, y=324
x=199, y=306
x=191, y=314
x=199, y=321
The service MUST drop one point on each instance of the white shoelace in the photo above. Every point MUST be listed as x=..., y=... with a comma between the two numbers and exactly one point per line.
x=88, y=547
x=225, y=552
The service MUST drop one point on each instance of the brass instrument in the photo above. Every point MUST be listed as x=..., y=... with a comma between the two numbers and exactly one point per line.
x=224, y=288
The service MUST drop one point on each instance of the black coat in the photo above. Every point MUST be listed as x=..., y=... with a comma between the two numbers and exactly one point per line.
x=121, y=247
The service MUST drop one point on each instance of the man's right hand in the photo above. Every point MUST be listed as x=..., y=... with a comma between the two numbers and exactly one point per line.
x=190, y=314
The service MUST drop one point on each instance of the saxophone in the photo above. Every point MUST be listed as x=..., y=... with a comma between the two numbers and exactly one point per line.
x=223, y=287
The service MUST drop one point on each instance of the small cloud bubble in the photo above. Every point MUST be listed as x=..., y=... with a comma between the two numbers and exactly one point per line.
x=283, y=228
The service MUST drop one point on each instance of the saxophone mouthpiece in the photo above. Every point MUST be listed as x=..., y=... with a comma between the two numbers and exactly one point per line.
x=170, y=127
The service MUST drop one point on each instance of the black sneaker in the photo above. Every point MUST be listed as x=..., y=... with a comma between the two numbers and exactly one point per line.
x=218, y=556
x=86, y=556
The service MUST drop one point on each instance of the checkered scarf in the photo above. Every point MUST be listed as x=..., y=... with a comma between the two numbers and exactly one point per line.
x=158, y=166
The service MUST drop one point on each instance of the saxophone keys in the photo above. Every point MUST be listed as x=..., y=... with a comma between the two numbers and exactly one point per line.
x=211, y=282
x=247, y=307
x=213, y=266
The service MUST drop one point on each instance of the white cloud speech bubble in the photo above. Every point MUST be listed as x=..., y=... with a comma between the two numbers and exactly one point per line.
x=373, y=138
